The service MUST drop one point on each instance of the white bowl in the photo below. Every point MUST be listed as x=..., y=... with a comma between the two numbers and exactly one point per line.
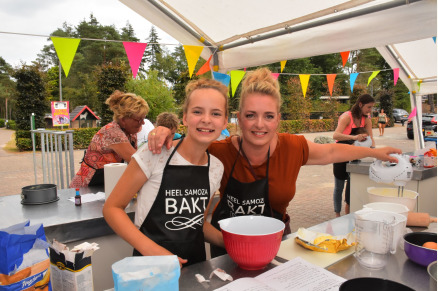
x=389, y=207
x=377, y=194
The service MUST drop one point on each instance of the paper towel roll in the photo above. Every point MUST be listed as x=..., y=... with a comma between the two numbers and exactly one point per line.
x=112, y=173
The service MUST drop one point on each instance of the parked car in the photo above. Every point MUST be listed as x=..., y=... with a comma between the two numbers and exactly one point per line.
x=429, y=125
x=400, y=115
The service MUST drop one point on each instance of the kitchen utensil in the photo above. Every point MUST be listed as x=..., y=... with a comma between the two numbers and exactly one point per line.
x=375, y=236
x=413, y=247
x=431, y=270
x=380, y=194
x=369, y=283
x=420, y=219
x=392, y=173
x=252, y=241
x=39, y=194
x=388, y=207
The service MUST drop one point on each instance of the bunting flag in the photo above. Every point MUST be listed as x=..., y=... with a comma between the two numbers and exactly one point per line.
x=223, y=78
x=330, y=81
x=412, y=114
x=205, y=68
x=304, y=79
x=236, y=77
x=134, y=52
x=275, y=75
x=353, y=77
x=396, y=74
x=418, y=84
x=282, y=64
x=65, y=49
x=192, y=53
x=373, y=75
x=434, y=39
x=344, y=56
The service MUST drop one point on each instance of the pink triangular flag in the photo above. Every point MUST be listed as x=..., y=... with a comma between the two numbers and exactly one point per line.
x=413, y=114
x=344, y=56
x=275, y=75
x=396, y=74
x=205, y=67
x=304, y=79
x=134, y=52
x=330, y=81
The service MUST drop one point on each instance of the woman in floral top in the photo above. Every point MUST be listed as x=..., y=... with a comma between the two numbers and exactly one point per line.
x=116, y=142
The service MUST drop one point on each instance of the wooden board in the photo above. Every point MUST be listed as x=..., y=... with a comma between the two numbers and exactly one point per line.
x=289, y=249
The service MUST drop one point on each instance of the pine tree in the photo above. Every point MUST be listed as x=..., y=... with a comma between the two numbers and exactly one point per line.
x=153, y=51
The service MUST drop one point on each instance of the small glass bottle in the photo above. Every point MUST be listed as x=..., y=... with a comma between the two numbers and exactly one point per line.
x=78, y=201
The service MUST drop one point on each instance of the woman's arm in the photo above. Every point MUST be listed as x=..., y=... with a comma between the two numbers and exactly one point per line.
x=124, y=150
x=114, y=212
x=342, y=125
x=323, y=154
x=211, y=234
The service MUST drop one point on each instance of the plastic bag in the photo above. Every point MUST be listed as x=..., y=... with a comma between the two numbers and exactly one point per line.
x=25, y=262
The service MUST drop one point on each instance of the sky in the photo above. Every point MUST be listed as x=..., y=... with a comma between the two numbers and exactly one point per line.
x=42, y=17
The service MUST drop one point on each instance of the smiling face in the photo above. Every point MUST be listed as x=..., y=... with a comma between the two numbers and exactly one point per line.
x=205, y=116
x=259, y=119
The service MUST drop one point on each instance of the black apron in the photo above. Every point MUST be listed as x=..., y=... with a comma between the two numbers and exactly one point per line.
x=243, y=199
x=340, y=169
x=176, y=218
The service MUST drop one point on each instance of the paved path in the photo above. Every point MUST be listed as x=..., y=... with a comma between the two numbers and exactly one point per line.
x=313, y=202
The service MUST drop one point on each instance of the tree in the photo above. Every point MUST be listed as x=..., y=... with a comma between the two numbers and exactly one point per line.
x=7, y=90
x=153, y=51
x=156, y=93
x=386, y=102
x=109, y=79
x=31, y=97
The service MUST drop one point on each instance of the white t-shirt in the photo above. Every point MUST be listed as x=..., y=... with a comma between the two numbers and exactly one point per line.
x=153, y=166
x=142, y=136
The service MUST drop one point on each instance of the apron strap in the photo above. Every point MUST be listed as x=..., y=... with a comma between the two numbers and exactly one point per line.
x=250, y=166
x=179, y=143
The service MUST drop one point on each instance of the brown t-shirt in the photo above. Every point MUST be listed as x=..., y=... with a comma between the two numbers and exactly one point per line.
x=285, y=162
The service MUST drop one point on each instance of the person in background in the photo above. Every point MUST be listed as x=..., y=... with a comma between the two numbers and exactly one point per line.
x=383, y=121
x=261, y=166
x=115, y=142
x=142, y=136
x=353, y=126
x=171, y=121
x=175, y=186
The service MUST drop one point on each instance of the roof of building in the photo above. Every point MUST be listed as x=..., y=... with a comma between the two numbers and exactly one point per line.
x=79, y=110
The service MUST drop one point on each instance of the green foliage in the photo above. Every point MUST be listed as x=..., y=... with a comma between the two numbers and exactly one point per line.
x=31, y=97
x=11, y=124
x=2, y=122
x=155, y=92
x=110, y=78
x=295, y=105
x=24, y=144
x=386, y=98
x=306, y=125
x=82, y=137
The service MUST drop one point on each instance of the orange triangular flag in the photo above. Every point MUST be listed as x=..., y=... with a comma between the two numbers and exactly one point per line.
x=205, y=67
x=65, y=49
x=345, y=56
x=330, y=81
x=192, y=53
x=236, y=78
x=304, y=79
x=283, y=64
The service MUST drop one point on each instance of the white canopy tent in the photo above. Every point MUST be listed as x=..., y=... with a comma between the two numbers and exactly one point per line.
x=248, y=33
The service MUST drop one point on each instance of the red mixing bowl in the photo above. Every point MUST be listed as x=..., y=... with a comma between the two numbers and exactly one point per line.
x=252, y=241
x=413, y=247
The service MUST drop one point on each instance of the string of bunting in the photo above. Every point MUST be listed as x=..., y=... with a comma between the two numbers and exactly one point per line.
x=66, y=49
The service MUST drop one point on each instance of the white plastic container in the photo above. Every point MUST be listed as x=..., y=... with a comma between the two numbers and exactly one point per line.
x=377, y=194
x=389, y=207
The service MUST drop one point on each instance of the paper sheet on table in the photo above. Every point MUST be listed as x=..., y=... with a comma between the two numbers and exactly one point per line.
x=289, y=250
x=90, y=197
x=296, y=274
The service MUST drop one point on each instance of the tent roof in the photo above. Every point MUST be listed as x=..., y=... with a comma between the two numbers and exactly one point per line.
x=250, y=33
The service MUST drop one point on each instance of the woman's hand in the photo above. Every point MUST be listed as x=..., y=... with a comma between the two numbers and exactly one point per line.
x=182, y=262
x=158, y=137
x=361, y=137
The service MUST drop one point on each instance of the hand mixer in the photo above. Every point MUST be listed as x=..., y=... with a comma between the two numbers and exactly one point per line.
x=391, y=173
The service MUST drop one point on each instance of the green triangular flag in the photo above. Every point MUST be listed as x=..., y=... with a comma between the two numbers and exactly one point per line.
x=65, y=49
x=373, y=75
x=236, y=78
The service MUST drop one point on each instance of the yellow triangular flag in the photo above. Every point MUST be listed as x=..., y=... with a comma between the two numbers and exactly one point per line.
x=373, y=75
x=304, y=79
x=65, y=49
x=283, y=64
x=236, y=78
x=192, y=55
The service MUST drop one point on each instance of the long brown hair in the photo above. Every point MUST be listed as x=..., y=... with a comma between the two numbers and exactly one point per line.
x=356, y=110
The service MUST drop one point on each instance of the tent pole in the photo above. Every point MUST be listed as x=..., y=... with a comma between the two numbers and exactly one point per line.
x=373, y=9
